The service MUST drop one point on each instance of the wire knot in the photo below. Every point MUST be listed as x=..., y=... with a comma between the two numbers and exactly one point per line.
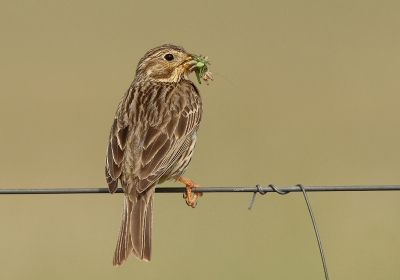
x=259, y=190
x=277, y=190
x=262, y=192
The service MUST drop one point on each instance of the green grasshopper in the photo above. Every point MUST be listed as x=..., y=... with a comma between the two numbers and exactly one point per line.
x=199, y=66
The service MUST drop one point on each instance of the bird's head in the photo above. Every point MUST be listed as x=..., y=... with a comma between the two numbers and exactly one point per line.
x=165, y=63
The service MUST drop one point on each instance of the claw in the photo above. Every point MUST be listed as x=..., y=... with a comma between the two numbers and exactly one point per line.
x=191, y=198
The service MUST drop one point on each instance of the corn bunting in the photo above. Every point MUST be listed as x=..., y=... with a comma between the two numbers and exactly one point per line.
x=152, y=140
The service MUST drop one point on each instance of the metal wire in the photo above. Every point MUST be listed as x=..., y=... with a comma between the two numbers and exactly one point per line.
x=254, y=190
x=210, y=189
x=321, y=251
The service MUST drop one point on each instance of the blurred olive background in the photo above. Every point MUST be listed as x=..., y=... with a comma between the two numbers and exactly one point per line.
x=304, y=92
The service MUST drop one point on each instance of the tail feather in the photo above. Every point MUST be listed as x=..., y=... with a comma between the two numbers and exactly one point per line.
x=141, y=226
x=136, y=227
x=124, y=243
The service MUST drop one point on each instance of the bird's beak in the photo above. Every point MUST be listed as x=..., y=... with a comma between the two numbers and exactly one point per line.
x=185, y=65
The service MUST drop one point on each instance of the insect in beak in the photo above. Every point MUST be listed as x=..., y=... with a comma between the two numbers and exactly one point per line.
x=198, y=64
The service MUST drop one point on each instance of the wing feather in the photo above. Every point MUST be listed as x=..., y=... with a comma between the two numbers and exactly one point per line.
x=117, y=143
x=154, y=148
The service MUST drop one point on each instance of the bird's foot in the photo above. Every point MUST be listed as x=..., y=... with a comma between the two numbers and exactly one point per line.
x=191, y=197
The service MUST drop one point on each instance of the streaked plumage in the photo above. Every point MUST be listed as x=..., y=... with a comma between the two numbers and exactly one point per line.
x=151, y=140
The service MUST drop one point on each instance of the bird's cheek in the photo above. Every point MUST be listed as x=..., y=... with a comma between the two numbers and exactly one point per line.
x=154, y=71
x=149, y=72
x=161, y=73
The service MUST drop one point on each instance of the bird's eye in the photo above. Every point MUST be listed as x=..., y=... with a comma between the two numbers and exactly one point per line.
x=169, y=57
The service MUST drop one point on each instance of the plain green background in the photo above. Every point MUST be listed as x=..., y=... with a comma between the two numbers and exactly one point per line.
x=310, y=95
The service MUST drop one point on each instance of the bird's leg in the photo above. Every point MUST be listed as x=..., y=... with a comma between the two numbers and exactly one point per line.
x=188, y=195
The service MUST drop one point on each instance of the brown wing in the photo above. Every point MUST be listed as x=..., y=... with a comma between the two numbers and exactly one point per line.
x=172, y=134
x=117, y=142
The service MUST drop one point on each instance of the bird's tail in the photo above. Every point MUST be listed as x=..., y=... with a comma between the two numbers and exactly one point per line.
x=136, y=227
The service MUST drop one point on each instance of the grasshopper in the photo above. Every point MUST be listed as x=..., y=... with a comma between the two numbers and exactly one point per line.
x=199, y=66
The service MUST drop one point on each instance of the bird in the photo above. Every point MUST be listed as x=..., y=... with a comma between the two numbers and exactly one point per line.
x=152, y=140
